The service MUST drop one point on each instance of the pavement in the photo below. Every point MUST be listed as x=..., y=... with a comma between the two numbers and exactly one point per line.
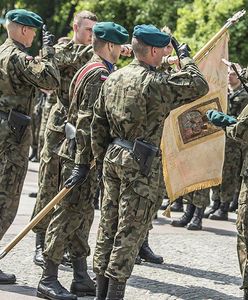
x=200, y=265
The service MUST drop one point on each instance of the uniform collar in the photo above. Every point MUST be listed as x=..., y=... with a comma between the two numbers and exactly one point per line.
x=17, y=44
x=143, y=64
x=109, y=65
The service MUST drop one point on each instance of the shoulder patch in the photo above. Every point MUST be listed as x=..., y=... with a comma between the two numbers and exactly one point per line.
x=103, y=77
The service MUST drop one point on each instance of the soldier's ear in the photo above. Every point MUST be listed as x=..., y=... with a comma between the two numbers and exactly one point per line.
x=75, y=27
x=110, y=46
x=23, y=30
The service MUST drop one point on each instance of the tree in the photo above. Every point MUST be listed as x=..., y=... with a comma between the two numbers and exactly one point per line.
x=200, y=20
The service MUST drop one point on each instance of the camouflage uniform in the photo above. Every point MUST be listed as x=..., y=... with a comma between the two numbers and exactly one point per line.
x=35, y=125
x=70, y=58
x=239, y=133
x=50, y=100
x=238, y=99
x=133, y=104
x=199, y=198
x=19, y=78
x=73, y=217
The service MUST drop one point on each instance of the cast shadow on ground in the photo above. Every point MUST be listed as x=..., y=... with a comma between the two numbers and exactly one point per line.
x=164, y=221
x=19, y=289
x=217, y=277
x=182, y=292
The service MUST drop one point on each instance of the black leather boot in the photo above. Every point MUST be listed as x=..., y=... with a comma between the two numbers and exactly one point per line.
x=39, y=246
x=245, y=294
x=49, y=287
x=148, y=255
x=221, y=214
x=212, y=209
x=116, y=290
x=6, y=278
x=185, y=218
x=101, y=287
x=82, y=284
x=234, y=204
x=177, y=205
x=196, y=221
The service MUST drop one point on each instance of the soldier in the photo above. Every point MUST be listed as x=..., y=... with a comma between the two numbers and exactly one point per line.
x=72, y=219
x=239, y=132
x=192, y=218
x=70, y=57
x=20, y=75
x=223, y=196
x=126, y=134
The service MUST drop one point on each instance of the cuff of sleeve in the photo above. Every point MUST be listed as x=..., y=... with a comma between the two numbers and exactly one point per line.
x=187, y=60
x=165, y=65
x=48, y=51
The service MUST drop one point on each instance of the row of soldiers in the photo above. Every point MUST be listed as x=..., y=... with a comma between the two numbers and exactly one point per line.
x=105, y=124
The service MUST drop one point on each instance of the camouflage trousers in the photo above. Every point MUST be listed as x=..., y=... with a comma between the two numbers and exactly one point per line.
x=49, y=177
x=44, y=118
x=72, y=219
x=199, y=198
x=231, y=179
x=129, y=203
x=13, y=169
x=242, y=227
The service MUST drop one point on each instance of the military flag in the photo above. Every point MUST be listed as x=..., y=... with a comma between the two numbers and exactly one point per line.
x=192, y=148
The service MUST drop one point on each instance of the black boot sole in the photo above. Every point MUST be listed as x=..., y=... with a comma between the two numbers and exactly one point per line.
x=83, y=294
x=41, y=295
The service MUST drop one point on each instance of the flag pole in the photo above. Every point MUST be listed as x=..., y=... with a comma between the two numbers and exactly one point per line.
x=202, y=52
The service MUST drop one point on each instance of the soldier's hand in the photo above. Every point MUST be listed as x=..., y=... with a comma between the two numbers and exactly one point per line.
x=126, y=50
x=219, y=119
x=47, y=37
x=183, y=51
x=78, y=175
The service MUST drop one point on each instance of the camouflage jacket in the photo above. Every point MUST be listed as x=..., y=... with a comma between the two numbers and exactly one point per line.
x=21, y=74
x=81, y=111
x=135, y=100
x=239, y=133
x=70, y=58
x=237, y=100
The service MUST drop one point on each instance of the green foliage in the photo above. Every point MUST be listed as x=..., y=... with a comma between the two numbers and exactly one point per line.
x=200, y=20
x=192, y=21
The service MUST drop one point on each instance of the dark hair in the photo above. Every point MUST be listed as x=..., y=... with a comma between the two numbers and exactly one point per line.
x=97, y=43
x=139, y=47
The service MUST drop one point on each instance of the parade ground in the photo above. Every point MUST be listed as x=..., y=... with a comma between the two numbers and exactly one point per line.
x=200, y=265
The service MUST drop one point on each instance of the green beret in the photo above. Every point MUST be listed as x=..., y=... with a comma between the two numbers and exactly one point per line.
x=24, y=17
x=111, y=32
x=151, y=35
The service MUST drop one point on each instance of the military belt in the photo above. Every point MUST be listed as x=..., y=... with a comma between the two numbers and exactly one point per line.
x=123, y=143
x=128, y=145
x=3, y=115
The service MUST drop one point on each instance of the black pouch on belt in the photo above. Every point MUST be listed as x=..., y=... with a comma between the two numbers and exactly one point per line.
x=18, y=123
x=144, y=153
